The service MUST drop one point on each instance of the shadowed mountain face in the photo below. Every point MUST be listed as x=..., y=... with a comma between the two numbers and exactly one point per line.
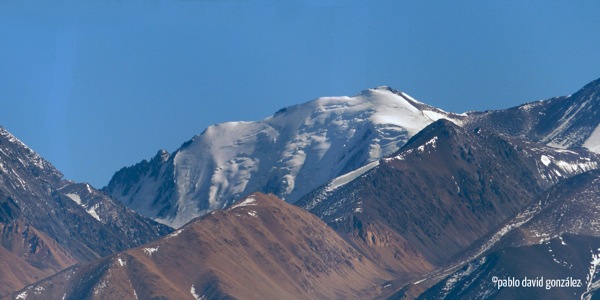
x=445, y=189
x=559, y=239
x=48, y=224
x=557, y=269
x=259, y=248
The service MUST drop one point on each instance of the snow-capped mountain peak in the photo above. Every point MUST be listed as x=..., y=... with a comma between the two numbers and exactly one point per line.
x=289, y=154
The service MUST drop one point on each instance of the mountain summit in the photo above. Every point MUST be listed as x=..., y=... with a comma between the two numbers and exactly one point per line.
x=288, y=154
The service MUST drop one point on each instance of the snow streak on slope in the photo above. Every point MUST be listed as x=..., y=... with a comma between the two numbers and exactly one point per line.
x=344, y=179
x=593, y=283
x=288, y=154
x=565, y=122
x=593, y=142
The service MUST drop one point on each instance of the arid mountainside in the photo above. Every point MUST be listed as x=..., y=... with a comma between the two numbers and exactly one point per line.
x=259, y=248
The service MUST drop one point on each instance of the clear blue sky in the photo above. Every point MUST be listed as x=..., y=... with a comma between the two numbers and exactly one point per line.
x=98, y=85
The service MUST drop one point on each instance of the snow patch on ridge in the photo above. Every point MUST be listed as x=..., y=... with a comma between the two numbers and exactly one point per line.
x=339, y=182
x=195, y=295
x=150, y=251
x=562, y=168
x=250, y=201
x=22, y=295
x=591, y=284
x=344, y=179
x=458, y=276
x=545, y=160
x=174, y=234
x=90, y=210
x=565, y=122
x=93, y=213
x=434, y=115
x=76, y=198
x=431, y=143
x=593, y=141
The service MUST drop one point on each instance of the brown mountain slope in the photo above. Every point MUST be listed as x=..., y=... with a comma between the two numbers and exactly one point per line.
x=28, y=255
x=260, y=248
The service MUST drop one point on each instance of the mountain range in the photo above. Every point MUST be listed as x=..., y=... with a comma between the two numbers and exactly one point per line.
x=392, y=198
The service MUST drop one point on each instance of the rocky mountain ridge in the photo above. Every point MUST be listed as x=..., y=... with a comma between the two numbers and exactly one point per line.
x=48, y=223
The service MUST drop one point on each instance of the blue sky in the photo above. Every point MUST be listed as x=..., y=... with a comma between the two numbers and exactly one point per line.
x=97, y=85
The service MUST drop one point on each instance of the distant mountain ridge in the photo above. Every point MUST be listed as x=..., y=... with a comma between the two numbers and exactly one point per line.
x=563, y=122
x=413, y=213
